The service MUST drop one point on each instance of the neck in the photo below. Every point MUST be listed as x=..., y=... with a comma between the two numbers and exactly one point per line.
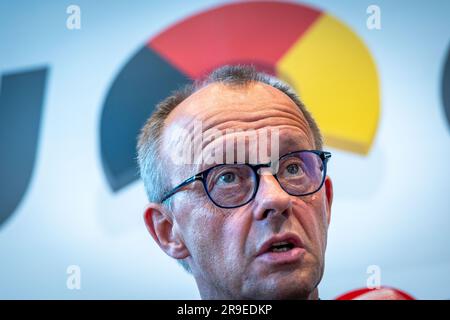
x=314, y=295
x=208, y=292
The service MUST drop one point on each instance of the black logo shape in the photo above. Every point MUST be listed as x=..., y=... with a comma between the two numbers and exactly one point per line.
x=144, y=81
x=446, y=87
x=21, y=101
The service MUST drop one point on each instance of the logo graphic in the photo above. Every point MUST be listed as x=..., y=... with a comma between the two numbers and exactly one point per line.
x=21, y=100
x=446, y=87
x=327, y=64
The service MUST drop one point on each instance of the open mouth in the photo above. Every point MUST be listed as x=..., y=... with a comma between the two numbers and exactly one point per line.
x=282, y=249
x=282, y=246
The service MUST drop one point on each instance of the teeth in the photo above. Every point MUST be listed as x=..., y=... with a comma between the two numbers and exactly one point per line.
x=282, y=243
x=281, y=246
x=283, y=249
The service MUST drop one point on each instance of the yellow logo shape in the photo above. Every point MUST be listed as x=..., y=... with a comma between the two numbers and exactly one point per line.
x=333, y=71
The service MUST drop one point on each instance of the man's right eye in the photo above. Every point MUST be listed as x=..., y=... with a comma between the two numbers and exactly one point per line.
x=227, y=177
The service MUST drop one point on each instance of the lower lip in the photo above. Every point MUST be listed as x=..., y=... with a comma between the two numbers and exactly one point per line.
x=284, y=257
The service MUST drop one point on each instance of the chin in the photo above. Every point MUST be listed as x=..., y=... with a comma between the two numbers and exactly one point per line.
x=298, y=285
x=298, y=289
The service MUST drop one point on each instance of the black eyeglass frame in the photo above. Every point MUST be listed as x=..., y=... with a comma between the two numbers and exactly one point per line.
x=202, y=176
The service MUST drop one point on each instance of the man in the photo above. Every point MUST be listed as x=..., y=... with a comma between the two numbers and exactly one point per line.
x=252, y=225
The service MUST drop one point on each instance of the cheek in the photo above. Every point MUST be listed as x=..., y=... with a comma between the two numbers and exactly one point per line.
x=311, y=213
x=205, y=231
x=202, y=227
x=237, y=247
x=236, y=230
x=219, y=248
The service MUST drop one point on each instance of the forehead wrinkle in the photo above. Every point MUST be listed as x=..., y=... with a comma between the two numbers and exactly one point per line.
x=220, y=119
x=243, y=128
x=288, y=141
x=222, y=107
x=223, y=117
x=257, y=122
x=245, y=125
x=282, y=132
x=217, y=99
x=236, y=130
x=256, y=95
x=170, y=139
x=243, y=120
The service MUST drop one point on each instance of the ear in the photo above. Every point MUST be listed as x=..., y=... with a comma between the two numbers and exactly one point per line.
x=160, y=225
x=329, y=195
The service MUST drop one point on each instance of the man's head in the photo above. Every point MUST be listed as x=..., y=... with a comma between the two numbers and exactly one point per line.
x=233, y=252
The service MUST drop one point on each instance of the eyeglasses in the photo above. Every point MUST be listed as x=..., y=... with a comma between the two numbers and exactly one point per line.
x=300, y=173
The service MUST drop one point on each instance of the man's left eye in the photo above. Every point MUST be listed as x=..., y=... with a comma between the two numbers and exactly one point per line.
x=293, y=169
x=228, y=177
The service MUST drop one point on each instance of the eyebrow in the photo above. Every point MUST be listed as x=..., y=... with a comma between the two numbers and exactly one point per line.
x=290, y=147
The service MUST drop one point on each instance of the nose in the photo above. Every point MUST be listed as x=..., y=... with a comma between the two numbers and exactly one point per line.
x=271, y=199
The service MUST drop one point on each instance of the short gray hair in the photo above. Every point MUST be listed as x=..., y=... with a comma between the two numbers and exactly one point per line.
x=151, y=165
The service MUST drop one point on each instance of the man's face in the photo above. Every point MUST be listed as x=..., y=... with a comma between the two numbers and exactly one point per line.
x=225, y=244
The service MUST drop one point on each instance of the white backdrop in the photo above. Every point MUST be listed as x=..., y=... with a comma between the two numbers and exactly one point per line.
x=391, y=208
